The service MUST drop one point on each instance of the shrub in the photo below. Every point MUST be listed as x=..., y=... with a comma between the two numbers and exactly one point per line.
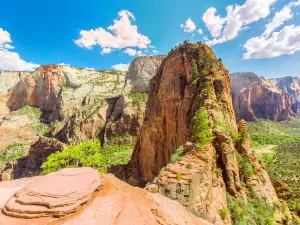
x=254, y=211
x=138, y=97
x=179, y=176
x=88, y=154
x=202, y=133
x=246, y=169
x=229, y=129
x=179, y=152
x=195, y=70
x=223, y=213
x=10, y=153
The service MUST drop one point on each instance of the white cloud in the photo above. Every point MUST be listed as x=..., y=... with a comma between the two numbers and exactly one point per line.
x=121, y=34
x=8, y=46
x=200, y=31
x=63, y=64
x=4, y=37
x=133, y=52
x=238, y=16
x=286, y=41
x=121, y=67
x=11, y=60
x=213, y=23
x=155, y=52
x=151, y=46
x=189, y=26
x=280, y=17
x=87, y=68
x=106, y=51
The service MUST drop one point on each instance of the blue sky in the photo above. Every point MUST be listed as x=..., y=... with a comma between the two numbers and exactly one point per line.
x=247, y=35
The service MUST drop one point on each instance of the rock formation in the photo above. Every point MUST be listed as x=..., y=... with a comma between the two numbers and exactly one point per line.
x=290, y=85
x=190, y=105
x=141, y=70
x=77, y=104
x=30, y=164
x=255, y=97
x=69, y=194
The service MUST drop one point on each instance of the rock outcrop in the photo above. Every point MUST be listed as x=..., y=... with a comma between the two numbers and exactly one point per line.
x=141, y=70
x=190, y=105
x=291, y=86
x=30, y=164
x=9, y=79
x=72, y=192
x=255, y=97
x=54, y=195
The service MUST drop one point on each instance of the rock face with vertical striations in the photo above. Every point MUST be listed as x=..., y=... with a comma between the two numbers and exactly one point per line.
x=141, y=70
x=188, y=147
x=255, y=97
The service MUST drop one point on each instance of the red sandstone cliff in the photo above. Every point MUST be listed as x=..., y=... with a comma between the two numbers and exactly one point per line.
x=255, y=97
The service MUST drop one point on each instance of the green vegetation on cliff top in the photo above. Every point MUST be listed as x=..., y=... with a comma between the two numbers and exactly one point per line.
x=88, y=154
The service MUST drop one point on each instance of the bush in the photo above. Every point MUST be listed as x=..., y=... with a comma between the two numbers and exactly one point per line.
x=229, y=129
x=138, y=97
x=179, y=152
x=254, y=211
x=88, y=154
x=223, y=213
x=202, y=133
x=10, y=153
x=246, y=169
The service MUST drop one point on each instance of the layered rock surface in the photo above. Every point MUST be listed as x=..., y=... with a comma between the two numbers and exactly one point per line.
x=255, y=97
x=114, y=203
x=54, y=195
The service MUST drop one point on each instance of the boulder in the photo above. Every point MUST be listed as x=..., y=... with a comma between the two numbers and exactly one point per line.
x=54, y=195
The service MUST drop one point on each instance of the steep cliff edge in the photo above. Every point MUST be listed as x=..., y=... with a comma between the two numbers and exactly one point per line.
x=190, y=117
x=255, y=97
x=141, y=70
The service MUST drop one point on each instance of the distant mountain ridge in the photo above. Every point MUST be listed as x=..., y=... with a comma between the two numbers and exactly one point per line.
x=255, y=97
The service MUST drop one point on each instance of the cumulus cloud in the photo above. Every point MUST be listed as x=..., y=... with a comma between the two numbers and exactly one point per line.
x=280, y=17
x=189, y=26
x=122, y=34
x=200, y=31
x=155, y=52
x=133, y=52
x=106, y=51
x=121, y=67
x=213, y=23
x=11, y=60
x=286, y=41
x=238, y=16
x=272, y=44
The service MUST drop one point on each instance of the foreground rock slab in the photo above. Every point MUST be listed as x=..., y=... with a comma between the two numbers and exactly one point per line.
x=115, y=203
x=56, y=194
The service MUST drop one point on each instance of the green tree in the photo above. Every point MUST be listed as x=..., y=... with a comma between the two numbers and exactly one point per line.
x=202, y=133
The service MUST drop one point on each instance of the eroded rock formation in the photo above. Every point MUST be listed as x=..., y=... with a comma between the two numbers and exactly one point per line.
x=192, y=87
x=255, y=97
x=30, y=164
x=70, y=195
